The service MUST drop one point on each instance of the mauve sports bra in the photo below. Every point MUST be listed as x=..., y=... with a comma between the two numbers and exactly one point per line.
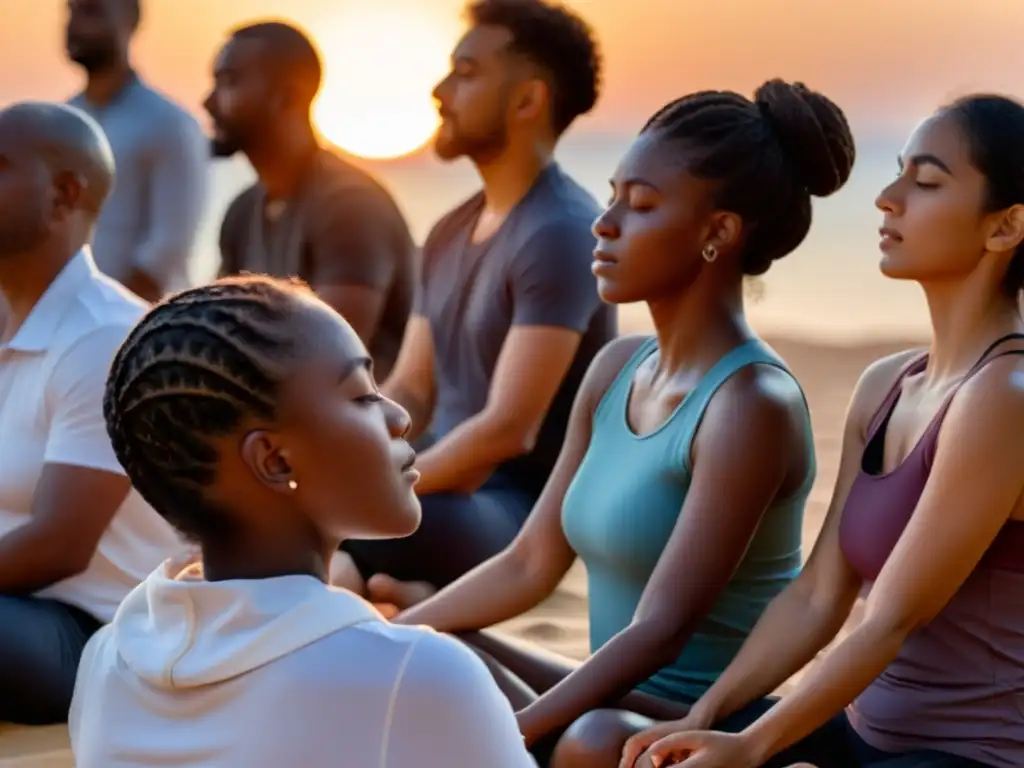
x=957, y=685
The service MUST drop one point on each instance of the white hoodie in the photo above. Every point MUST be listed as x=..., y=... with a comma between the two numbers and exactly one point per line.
x=280, y=672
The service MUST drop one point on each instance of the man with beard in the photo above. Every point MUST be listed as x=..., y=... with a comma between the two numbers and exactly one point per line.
x=310, y=214
x=507, y=317
x=146, y=233
x=74, y=537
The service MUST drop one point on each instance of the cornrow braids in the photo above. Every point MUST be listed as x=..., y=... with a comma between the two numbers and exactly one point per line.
x=770, y=155
x=193, y=369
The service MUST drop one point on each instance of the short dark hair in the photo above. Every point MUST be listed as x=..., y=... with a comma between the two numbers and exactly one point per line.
x=291, y=49
x=994, y=128
x=194, y=368
x=770, y=155
x=559, y=42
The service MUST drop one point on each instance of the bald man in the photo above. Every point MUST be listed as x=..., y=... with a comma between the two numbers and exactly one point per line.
x=310, y=214
x=74, y=537
x=147, y=231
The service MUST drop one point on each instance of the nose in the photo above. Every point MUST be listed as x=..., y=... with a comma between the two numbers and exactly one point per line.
x=399, y=420
x=208, y=101
x=605, y=227
x=890, y=199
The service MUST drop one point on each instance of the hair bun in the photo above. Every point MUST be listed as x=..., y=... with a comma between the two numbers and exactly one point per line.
x=813, y=133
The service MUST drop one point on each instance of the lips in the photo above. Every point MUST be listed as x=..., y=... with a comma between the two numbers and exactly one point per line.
x=410, y=462
x=888, y=233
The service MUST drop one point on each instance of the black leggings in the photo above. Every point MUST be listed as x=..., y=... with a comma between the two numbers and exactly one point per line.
x=837, y=745
x=458, y=532
x=41, y=642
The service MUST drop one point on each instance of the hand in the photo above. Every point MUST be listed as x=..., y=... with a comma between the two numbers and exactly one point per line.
x=530, y=737
x=701, y=749
x=638, y=743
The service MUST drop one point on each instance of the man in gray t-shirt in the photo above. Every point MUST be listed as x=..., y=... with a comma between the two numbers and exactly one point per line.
x=147, y=230
x=507, y=316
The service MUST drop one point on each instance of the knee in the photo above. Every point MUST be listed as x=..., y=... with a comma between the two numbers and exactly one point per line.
x=595, y=740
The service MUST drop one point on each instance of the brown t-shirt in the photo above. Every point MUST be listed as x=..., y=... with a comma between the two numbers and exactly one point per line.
x=340, y=228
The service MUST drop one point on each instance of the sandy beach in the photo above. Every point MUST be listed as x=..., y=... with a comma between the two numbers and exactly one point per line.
x=828, y=374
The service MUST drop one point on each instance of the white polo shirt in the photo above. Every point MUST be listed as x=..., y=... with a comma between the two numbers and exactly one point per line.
x=52, y=377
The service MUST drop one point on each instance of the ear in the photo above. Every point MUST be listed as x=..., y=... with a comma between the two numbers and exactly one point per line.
x=725, y=230
x=530, y=100
x=1008, y=230
x=267, y=459
x=68, y=190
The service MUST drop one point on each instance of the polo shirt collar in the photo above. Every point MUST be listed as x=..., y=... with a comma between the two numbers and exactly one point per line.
x=40, y=328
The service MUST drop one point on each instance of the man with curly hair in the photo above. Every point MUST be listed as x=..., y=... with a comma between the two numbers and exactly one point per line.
x=507, y=317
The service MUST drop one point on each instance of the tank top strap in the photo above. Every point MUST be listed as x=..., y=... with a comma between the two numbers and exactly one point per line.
x=614, y=400
x=916, y=364
x=752, y=352
x=930, y=438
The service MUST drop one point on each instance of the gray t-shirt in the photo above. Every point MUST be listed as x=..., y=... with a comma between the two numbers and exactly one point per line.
x=151, y=219
x=340, y=228
x=534, y=271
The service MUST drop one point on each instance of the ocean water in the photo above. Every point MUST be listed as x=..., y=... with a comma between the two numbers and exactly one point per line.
x=829, y=289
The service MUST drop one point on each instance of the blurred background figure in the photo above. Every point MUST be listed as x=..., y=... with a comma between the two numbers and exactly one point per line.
x=310, y=214
x=146, y=232
x=74, y=537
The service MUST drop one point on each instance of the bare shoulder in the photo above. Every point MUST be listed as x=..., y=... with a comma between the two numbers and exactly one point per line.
x=874, y=384
x=996, y=392
x=761, y=397
x=608, y=363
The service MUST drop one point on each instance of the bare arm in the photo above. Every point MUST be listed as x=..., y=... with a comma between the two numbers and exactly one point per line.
x=81, y=486
x=554, y=298
x=811, y=611
x=754, y=428
x=535, y=563
x=411, y=383
x=516, y=406
x=177, y=194
x=977, y=467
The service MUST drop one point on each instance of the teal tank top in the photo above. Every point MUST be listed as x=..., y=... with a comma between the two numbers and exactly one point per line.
x=623, y=504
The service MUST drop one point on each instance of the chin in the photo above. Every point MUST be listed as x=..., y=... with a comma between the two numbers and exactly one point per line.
x=446, y=150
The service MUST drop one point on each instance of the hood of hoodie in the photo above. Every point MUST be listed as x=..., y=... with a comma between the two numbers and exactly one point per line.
x=177, y=630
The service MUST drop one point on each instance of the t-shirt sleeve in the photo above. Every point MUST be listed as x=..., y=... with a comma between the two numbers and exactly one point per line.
x=74, y=392
x=448, y=711
x=551, y=279
x=351, y=236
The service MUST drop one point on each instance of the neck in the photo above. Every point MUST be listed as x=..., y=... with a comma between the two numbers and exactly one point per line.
x=25, y=277
x=263, y=556
x=697, y=327
x=508, y=177
x=965, y=320
x=281, y=162
x=103, y=85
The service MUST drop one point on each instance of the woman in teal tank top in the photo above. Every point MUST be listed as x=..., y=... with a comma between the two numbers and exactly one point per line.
x=689, y=456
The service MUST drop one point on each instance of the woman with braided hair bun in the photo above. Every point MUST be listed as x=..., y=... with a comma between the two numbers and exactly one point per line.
x=689, y=455
x=246, y=413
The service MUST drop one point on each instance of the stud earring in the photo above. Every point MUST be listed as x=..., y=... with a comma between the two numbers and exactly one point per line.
x=292, y=484
x=710, y=253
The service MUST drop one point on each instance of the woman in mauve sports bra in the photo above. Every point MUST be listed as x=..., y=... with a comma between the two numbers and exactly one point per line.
x=927, y=510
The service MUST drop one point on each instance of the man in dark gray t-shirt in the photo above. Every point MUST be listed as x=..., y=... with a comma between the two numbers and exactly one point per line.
x=310, y=213
x=507, y=316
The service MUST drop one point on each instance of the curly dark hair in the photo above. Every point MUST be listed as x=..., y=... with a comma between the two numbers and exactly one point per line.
x=556, y=40
x=194, y=368
x=994, y=128
x=770, y=155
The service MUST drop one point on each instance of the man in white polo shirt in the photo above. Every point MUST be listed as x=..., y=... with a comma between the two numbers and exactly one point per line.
x=74, y=537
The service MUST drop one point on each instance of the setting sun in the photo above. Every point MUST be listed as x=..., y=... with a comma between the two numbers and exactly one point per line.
x=380, y=67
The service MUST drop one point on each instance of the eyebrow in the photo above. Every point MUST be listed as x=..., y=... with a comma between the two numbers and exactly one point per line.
x=925, y=159
x=354, y=364
x=633, y=181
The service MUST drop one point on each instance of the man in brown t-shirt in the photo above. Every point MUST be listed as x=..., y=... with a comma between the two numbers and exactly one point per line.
x=310, y=214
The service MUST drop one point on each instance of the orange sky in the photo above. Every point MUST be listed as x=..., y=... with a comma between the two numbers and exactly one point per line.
x=884, y=61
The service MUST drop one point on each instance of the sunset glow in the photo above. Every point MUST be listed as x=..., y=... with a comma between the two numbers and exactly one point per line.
x=381, y=66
